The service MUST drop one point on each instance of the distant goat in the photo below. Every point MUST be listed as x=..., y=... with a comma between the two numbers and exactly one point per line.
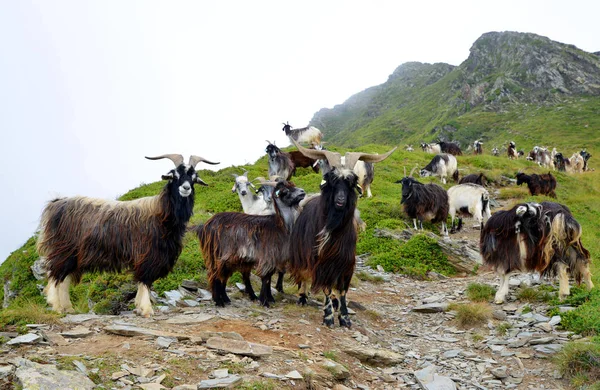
x=478, y=147
x=300, y=160
x=475, y=179
x=280, y=163
x=310, y=134
x=470, y=200
x=535, y=237
x=234, y=241
x=323, y=242
x=366, y=173
x=442, y=165
x=541, y=156
x=495, y=152
x=575, y=164
x=586, y=156
x=450, y=148
x=512, y=151
x=431, y=148
x=424, y=202
x=409, y=148
x=80, y=235
x=544, y=184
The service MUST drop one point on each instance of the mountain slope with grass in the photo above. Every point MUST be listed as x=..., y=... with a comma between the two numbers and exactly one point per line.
x=513, y=86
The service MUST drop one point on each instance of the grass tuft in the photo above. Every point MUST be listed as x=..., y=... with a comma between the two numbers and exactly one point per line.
x=367, y=277
x=502, y=328
x=580, y=361
x=25, y=311
x=477, y=292
x=471, y=314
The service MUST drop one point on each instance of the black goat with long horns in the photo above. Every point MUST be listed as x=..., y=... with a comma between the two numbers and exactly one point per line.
x=323, y=242
x=80, y=234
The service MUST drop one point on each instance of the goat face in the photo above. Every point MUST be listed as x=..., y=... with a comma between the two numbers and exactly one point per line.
x=266, y=192
x=425, y=173
x=183, y=179
x=340, y=185
x=272, y=151
x=407, y=183
x=288, y=193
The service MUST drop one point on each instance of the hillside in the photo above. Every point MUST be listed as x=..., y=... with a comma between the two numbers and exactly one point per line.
x=516, y=86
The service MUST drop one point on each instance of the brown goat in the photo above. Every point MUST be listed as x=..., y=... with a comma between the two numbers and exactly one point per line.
x=302, y=161
x=544, y=184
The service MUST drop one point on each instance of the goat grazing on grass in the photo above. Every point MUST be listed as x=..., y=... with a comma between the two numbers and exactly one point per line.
x=309, y=135
x=535, y=237
x=512, y=151
x=475, y=179
x=424, y=202
x=234, y=241
x=470, y=200
x=544, y=184
x=300, y=160
x=478, y=147
x=450, y=148
x=323, y=242
x=409, y=148
x=280, y=163
x=442, y=165
x=80, y=235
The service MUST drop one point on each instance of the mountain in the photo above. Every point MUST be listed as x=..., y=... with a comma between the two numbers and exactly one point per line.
x=507, y=78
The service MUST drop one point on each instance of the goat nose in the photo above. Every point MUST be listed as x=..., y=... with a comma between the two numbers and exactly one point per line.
x=244, y=193
x=186, y=186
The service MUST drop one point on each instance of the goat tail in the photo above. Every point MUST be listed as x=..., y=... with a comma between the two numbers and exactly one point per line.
x=455, y=176
x=557, y=239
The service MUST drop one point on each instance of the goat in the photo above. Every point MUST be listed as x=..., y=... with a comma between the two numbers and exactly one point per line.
x=450, y=148
x=251, y=203
x=323, y=242
x=280, y=163
x=232, y=241
x=475, y=179
x=495, y=152
x=442, y=165
x=310, y=134
x=300, y=160
x=512, y=151
x=535, y=237
x=575, y=164
x=424, y=202
x=544, y=184
x=468, y=200
x=409, y=148
x=586, y=156
x=80, y=235
x=366, y=174
x=478, y=147
x=431, y=148
x=541, y=157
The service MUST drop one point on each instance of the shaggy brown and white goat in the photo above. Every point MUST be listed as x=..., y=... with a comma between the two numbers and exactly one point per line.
x=79, y=235
x=512, y=151
x=535, y=237
x=240, y=242
x=575, y=164
x=366, y=173
x=309, y=135
x=544, y=184
x=541, y=156
x=280, y=163
x=478, y=147
x=424, y=202
x=323, y=242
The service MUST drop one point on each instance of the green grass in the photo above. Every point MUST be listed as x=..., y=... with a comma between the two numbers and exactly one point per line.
x=25, y=311
x=580, y=361
x=480, y=292
x=471, y=314
x=331, y=355
x=502, y=328
x=367, y=277
x=530, y=294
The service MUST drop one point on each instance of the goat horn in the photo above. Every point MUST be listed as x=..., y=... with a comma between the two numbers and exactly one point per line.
x=264, y=182
x=404, y=171
x=245, y=173
x=194, y=160
x=269, y=142
x=413, y=170
x=176, y=158
x=353, y=157
x=334, y=159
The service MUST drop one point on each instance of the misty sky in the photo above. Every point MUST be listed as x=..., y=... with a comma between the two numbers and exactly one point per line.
x=88, y=88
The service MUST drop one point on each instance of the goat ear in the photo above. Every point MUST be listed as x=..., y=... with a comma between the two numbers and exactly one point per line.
x=168, y=176
x=200, y=181
x=233, y=188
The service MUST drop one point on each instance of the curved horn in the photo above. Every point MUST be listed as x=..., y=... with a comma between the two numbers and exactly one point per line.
x=413, y=170
x=269, y=142
x=194, y=160
x=176, y=158
x=264, y=182
x=245, y=174
x=334, y=159
x=404, y=171
x=353, y=157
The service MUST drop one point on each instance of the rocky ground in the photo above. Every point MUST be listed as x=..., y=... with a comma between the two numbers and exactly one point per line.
x=401, y=337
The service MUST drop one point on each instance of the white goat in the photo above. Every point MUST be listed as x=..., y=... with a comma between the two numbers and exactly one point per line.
x=365, y=173
x=442, y=165
x=431, y=148
x=469, y=200
x=251, y=203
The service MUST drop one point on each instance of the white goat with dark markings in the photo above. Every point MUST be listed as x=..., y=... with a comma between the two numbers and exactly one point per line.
x=468, y=200
x=260, y=204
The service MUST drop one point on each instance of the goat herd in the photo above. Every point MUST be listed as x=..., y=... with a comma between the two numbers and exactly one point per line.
x=284, y=230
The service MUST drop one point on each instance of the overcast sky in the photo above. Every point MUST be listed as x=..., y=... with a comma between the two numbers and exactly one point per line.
x=88, y=88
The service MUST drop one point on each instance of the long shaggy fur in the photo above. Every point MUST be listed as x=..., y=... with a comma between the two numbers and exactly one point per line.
x=474, y=178
x=544, y=184
x=425, y=202
x=302, y=161
x=280, y=163
x=512, y=151
x=450, y=148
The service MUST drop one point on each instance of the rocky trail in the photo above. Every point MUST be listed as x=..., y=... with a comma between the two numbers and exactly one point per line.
x=403, y=336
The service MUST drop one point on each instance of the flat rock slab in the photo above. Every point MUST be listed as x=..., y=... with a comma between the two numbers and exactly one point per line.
x=338, y=371
x=29, y=338
x=189, y=319
x=77, y=333
x=130, y=331
x=226, y=335
x=33, y=376
x=431, y=308
x=239, y=347
x=220, y=383
x=373, y=356
x=80, y=318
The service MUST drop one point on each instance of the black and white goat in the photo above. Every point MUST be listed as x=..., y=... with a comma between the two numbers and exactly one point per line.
x=366, y=173
x=433, y=148
x=323, y=243
x=471, y=200
x=495, y=152
x=442, y=165
x=541, y=156
x=586, y=156
x=543, y=184
x=424, y=202
x=80, y=235
x=575, y=164
x=240, y=242
x=512, y=151
x=252, y=203
x=280, y=163
x=309, y=135
x=535, y=237
x=478, y=147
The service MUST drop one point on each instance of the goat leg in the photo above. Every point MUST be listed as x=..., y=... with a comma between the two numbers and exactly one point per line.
x=216, y=293
x=335, y=302
x=279, y=285
x=248, y=285
x=327, y=309
x=265, y=290
x=303, y=300
x=344, y=317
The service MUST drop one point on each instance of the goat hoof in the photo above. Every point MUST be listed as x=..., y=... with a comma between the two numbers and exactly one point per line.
x=271, y=299
x=253, y=297
x=302, y=301
x=345, y=321
x=279, y=289
x=264, y=303
x=336, y=304
x=328, y=322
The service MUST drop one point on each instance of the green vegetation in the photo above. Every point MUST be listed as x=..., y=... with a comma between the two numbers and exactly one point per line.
x=480, y=292
x=530, y=294
x=367, y=277
x=580, y=361
x=502, y=328
x=471, y=314
x=331, y=355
